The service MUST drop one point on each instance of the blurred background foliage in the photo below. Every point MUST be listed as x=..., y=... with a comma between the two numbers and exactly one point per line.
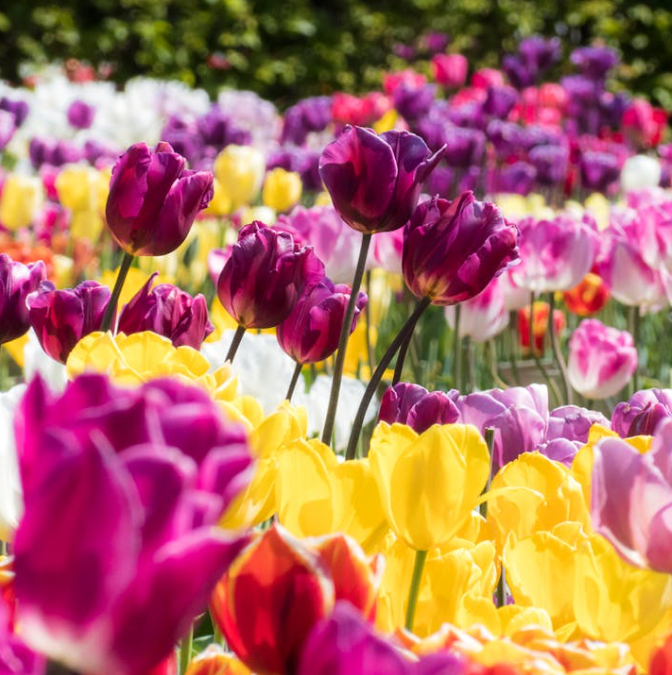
x=288, y=49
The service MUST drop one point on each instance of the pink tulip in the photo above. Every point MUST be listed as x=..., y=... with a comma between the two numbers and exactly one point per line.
x=487, y=77
x=482, y=317
x=601, y=359
x=450, y=70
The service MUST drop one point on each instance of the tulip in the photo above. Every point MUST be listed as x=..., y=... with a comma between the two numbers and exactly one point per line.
x=265, y=276
x=168, y=311
x=453, y=250
x=599, y=170
x=240, y=171
x=588, y=297
x=485, y=78
x=21, y=200
x=594, y=62
x=17, y=281
x=375, y=181
x=61, y=318
x=80, y=115
x=413, y=405
x=344, y=643
x=541, y=312
x=11, y=504
x=7, y=129
x=18, y=109
x=642, y=413
x=601, y=359
x=551, y=163
x=640, y=172
x=269, y=600
x=127, y=485
x=282, y=189
x=213, y=660
x=412, y=102
x=450, y=70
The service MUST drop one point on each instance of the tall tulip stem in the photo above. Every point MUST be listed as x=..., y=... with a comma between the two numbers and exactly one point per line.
x=295, y=379
x=634, y=321
x=343, y=341
x=111, y=308
x=457, y=351
x=550, y=382
x=370, y=354
x=235, y=343
x=414, y=591
x=489, y=436
x=185, y=650
x=555, y=344
x=399, y=368
x=377, y=376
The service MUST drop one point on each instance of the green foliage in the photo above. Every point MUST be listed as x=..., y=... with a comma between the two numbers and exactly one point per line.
x=294, y=48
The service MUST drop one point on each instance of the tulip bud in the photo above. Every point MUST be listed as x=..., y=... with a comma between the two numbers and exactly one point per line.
x=310, y=333
x=265, y=276
x=17, y=281
x=375, y=181
x=413, y=405
x=240, y=172
x=153, y=199
x=282, y=189
x=168, y=311
x=453, y=250
x=62, y=318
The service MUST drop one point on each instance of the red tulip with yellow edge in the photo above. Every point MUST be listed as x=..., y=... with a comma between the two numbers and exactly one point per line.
x=589, y=297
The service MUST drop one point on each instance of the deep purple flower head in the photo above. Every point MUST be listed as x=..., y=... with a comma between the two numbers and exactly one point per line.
x=413, y=102
x=594, y=62
x=540, y=54
x=61, y=318
x=581, y=90
x=507, y=137
x=97, y=153
x=310, y=114
x=464, y=147
x=217, y=129
x=551, y=163
x=642, y=413
x=303, y=161
x=469, y=116
x=123, y=490
x=500, y=101
x=265, y=276
x=435, y=42
x=54, y=153
x=17, y=281
x=573, y=423
x=154, y=200
x=517, y=178
x=168, y=311
x=518, y=71
x=453, y=250
x=18, y=109
x=613, y=106
x=599, y=170
x=80, y=115
x=413, y=405
x=375, y=181
x=310, y=333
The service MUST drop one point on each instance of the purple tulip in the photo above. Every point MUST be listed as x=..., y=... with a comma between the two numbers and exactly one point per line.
x=413, y=405
x=265, y=276
x=344, y=644
x=168, y=311
x=464, y=147
x=599, y=170
x=519, y=416
x=61, y=318
x=301, y=160
x=540, y=54
x=631, y=499
x=468, y=116
x=80, y=115
x=18, y=109
x=551, y=163
x=435, y=42
x=153, y=199
x=594, y=62
x=518, y=178
x=17, y=281
x=506, y=137
x=555, y=254
x=520, y=74
x=18, y=659
x=118, y=549
x=601, y=359
x=453, y=250
x=217, y=129
x=310, y=114
x=499, y=101
x=413, y=102
x=310, y=333
x=642, y=413
x=374, y=181
x=573, y=423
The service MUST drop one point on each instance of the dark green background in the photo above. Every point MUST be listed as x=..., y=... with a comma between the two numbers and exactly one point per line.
x=287, y=49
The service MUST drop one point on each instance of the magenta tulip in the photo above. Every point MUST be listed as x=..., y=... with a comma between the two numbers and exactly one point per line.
x=450, y=70
x=642, y=413
x=265, y=275
x=168, y=311
x=375, y=181
x=601, y=359
x=17, y=281
x=413, y=405
x=453, y=250
x=61, y=318
x=154, y=199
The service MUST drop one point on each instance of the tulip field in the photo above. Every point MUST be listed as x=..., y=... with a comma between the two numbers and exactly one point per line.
x=380, y=383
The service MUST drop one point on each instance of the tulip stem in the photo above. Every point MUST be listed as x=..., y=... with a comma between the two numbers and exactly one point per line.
x=111, y=309
x=550, y=382
x=328, y=430
x=634, y=331
x=235, y=343
x=55, y=668
x=414, y=591
x=399, y=368
x=513, y=335
x=555, y=344
x=457, y=355
x=370, y=355
x=185, y=650
x=292, y=384
x=489, y=435
x=407, y=329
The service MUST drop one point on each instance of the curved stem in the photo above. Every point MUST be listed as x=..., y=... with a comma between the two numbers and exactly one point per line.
x=550, y=382
x=292, y=384
x=457, y=355
x=343, y=341
x=492, y=364
x=235, y=343
x=399, y=368
x=370, y=355
x=414, y=591
x=555, y=344
x=378, y=375
x=111, y=308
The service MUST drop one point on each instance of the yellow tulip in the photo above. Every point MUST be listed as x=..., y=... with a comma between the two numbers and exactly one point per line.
x=77, y=186
x=386, y=122
x=282, y=189
x=265, y=214
x=240, y=171
x=220, y=204
x=429, y=483
x=213, y=660
x=20, y=201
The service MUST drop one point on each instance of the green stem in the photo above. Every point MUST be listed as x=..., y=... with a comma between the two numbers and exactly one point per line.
x=111, y=309
x=500, y=593
x=292, y=384
x=380, y=371
x=513, y=354
x=414, y=591
x=550, y=382
x=470, y=373
x=2, y=368
x=557, y=351
x=367, y=315
x=492, y=364
x=489, y=435
x=457, y=357
x=343, y=341
x=235, y=343
x=399, y=368
x=185, y=650
x=634, y=331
